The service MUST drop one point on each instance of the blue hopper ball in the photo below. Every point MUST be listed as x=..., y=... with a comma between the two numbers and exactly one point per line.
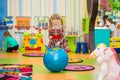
x=55, y=59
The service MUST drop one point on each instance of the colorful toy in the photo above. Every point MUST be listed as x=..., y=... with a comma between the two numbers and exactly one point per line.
x=33, y=41
x=55, y=59
x=6, y=23
x=110, y=57
x=22, y=49
x=23, y=22
x=41, y=22
x=9, y=21
x=115, y=43
x=99, y=50
x=97, y=53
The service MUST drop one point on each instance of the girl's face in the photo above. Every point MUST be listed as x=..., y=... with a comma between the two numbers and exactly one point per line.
x=5, y=35
x=56, y=21
x=107, y=22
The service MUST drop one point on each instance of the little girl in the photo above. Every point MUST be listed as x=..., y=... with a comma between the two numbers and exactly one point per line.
x=10, y=44
x=112, y=27
x=103, y=22
x=56, y=33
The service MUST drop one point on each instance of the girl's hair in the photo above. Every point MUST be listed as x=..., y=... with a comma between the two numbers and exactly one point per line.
x=7, y=33
x=109, y=20
x=53, y=17
x=104, y=18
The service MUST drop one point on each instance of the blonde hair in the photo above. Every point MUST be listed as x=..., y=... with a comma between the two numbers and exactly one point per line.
x=7, y=33
x=53, y=17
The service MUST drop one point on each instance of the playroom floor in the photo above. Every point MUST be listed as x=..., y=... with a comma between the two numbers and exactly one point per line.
x=41, y=73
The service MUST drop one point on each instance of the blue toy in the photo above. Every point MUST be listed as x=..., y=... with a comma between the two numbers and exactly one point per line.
x=33, y=41
x=55, y=59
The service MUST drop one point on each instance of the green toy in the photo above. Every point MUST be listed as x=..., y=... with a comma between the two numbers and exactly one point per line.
x=22, y=49
x=26, y=34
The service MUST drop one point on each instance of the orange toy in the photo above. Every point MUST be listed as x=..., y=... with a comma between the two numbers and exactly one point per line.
x=23, y=22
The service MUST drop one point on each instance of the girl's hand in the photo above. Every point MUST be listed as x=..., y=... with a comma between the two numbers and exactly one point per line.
x=57, y=44
x=50, y=37
x=107, y=26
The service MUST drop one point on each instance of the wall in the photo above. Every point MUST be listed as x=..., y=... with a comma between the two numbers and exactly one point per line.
x=74, y=10
x=3, y=13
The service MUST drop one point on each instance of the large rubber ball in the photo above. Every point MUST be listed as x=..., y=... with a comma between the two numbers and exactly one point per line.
x=55, y=59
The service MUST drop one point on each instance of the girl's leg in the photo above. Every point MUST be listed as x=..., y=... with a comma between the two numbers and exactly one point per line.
x=9, y=49
x=51, y=44
x=65, y=47
x=15, y=48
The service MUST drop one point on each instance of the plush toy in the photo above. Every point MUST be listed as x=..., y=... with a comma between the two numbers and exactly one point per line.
x=97, y=53
x=110, y=58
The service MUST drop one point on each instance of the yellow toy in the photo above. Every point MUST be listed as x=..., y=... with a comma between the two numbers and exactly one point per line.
x=33, y=41
x=115, y=42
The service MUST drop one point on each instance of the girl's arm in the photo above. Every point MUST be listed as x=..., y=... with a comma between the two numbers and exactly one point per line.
x=50, y=34
x=112, y=33
x=5, y=45
x=62, y=32
x=101, y=24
